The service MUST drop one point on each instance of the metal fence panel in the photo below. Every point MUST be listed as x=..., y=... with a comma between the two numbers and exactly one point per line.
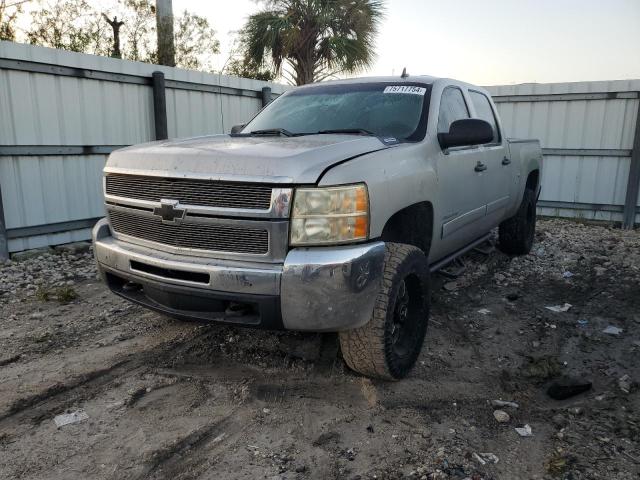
x=569, y=118
x=61, y=113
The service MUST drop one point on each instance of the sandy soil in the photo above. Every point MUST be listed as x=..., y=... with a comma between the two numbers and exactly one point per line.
x=171, y=400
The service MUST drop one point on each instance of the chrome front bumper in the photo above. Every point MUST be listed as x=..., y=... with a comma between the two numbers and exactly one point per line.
x=316, y=289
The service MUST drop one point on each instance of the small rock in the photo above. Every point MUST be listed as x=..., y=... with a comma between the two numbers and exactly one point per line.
x=560, y=420
x=625, y=384
x=501, y=416
x=599, y=271
x=450, y=286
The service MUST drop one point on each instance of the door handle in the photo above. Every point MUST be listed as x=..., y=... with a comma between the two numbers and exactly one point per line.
x=480, y=167
x=506, y=161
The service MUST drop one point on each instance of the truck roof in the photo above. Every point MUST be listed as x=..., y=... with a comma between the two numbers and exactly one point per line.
x=410, y=79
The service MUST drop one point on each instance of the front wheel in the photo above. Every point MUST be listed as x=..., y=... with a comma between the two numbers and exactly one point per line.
x=388, y=346
x=516, y=234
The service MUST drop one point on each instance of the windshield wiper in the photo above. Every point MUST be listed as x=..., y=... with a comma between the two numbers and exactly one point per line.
x=273, y=131
x=358, y=131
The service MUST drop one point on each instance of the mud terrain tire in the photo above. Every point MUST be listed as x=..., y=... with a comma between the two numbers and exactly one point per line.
x=517, y=233
x=388, y=346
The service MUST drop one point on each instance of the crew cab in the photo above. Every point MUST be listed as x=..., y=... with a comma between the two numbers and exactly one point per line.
x=326, y=212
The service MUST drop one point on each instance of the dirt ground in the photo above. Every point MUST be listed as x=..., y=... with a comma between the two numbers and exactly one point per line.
x=171, y=400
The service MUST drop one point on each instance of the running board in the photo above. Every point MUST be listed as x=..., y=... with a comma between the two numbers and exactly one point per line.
x=451, y=258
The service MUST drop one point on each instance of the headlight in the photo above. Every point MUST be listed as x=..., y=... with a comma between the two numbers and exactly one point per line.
x=330, y=215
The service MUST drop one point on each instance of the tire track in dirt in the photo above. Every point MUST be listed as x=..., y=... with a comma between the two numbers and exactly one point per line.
x=193, y=451
x=90, y=384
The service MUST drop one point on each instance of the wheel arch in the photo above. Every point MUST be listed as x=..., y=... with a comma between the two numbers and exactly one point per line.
x=411, y=225
x=533, y=180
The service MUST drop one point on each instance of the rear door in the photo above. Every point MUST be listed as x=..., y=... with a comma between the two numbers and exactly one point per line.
x=495, y=157
x=461, y=196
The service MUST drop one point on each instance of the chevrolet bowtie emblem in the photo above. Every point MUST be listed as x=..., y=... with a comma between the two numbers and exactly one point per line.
x=169, y=211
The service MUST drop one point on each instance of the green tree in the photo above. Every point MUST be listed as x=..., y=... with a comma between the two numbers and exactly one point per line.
x=139, y=17
x=69, y=25
x=9, y=11
x=195, y=42
x=313, y=39
x=80, y=26
x=241, y=67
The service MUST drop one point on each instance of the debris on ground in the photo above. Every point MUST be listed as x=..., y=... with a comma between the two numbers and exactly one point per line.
x=560, y=308
x=484, y=311
x=568, y=387
x=504, y=403
x=524, y=431
x=70, y=418
x=612, y=330
x=484, y=458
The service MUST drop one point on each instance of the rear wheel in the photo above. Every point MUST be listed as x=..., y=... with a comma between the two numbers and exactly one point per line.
x=517, y=233
x=388, y=346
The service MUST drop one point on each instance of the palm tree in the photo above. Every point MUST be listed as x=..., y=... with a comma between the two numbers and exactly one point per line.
x=312, y=39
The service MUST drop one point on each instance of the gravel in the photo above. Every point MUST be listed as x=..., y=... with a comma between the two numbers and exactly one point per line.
x=172, y=400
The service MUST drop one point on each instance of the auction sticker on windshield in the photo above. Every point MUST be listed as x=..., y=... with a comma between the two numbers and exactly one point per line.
x=410, y=89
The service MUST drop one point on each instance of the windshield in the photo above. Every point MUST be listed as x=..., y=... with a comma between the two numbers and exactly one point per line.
x=382, y=109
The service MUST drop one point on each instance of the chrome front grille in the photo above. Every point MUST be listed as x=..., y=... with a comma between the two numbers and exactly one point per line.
x=191, y=233
x=190, y=192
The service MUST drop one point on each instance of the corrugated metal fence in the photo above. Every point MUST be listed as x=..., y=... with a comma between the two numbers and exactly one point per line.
x=62, y=113
x=590, y=135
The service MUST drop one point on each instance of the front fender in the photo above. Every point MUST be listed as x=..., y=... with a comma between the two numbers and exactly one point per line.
x=396, y=178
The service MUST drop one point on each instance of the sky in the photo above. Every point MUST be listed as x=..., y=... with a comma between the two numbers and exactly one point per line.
x=486, y=42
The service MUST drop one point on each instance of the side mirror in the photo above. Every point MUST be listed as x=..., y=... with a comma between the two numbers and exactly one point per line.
x=465, y=132
x=237, y=128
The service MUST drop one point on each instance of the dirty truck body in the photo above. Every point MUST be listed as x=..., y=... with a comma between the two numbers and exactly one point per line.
x=326, y=212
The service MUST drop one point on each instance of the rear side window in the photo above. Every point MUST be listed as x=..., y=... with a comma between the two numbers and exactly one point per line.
x=485, y=112
x=452, y=108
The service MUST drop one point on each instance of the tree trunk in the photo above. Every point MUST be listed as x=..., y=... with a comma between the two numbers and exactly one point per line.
x=304, y=69
x=164, y=22
x=115, y=25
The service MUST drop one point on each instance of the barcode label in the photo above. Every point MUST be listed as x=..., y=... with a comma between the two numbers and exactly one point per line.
x=406, y=89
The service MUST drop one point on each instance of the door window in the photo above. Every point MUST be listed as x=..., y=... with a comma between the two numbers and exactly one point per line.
x=485, y=112
x=452, y=108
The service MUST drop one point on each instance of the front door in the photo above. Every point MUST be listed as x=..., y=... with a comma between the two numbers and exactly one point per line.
x=461, y=195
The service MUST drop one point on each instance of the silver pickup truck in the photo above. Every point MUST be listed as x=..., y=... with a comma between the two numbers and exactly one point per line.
x=326, y=212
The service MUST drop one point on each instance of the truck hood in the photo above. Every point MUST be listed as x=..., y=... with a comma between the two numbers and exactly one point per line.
x=261, y=159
